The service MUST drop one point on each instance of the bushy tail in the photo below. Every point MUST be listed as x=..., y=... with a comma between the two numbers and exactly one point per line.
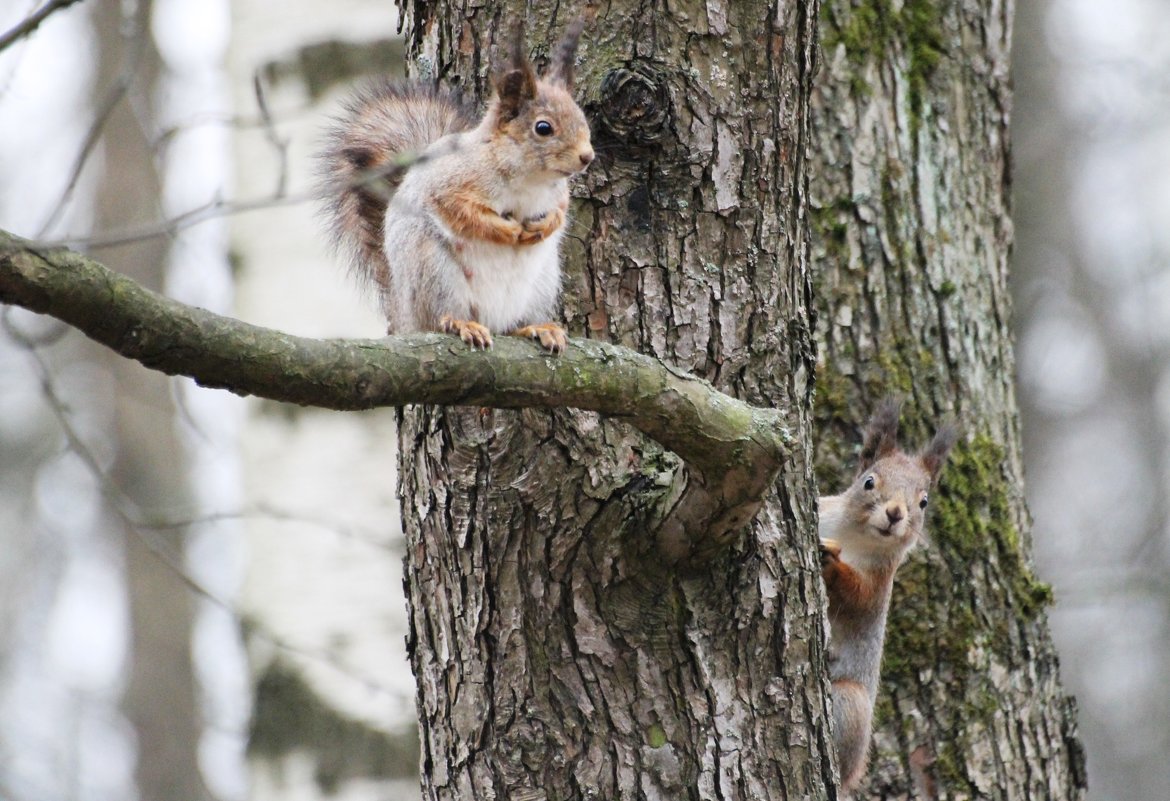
x=384, y=128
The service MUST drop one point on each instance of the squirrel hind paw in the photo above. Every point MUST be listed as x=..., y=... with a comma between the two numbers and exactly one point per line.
x=474, y=334
x=552, y=337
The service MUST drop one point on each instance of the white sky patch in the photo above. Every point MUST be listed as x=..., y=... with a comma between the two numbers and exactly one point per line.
x=42, y=86
x=1063, y=362
x=190, y=36
x=194, y=101
x=67, y=498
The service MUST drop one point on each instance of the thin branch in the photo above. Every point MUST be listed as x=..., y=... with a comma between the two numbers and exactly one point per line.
x=171, y=226
x=136, y=45
x=32, y=22
x=279, y=143
x=357, y=534
x=216, y=208
x=733, y=451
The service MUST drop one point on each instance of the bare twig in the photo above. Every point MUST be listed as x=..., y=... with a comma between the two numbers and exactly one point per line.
x=33, y=21
x=279, y=143
x=264, y=512
x=117, y=91
x=208, y=211
x=237, y=122
x=220, y=207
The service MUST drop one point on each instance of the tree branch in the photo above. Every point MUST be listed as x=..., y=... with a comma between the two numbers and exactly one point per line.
x=33, y=21
x=734, y=451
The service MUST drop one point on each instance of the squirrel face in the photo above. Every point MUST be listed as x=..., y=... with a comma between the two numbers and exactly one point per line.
x=882, y=514
x=888, y=501
x=550, y=133
x=546, y=133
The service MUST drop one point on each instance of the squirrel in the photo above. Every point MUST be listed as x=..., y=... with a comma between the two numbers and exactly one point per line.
x=457, y=223
x=865, y=534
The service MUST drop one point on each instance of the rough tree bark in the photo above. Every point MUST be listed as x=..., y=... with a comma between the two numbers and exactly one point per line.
x=910, y=188
x=562, y=649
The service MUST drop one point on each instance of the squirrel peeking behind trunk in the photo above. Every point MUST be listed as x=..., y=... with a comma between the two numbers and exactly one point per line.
x=459, y=223
x=865, y=535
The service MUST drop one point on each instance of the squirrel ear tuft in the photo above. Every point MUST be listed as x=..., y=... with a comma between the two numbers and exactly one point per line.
x=881, y=435
x=515, y=86
x=935, y=454
x=564, y=57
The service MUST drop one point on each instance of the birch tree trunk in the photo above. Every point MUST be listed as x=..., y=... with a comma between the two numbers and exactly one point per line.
x=563, y=648
x=910, y=188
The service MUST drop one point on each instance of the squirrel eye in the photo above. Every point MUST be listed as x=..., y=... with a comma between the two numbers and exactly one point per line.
x=868, y=483
x=543, y=128
x=922, y=503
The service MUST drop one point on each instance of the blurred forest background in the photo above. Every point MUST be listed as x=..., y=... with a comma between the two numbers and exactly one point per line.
x=179, y=567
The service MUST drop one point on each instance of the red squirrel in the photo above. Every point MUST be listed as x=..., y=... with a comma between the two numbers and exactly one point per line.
x=457, y=222
x=865, y=534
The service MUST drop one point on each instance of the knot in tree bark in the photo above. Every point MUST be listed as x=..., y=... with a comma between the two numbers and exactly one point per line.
x=635, y=107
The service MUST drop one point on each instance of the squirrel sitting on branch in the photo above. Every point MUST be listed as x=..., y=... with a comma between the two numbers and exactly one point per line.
x=458, y=223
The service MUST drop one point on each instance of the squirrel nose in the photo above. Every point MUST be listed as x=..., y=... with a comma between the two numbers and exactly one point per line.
x=586, y=158
x=894, y=513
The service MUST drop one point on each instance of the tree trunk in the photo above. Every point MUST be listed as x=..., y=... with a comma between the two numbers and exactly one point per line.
x=562, y=648
x=910, y=190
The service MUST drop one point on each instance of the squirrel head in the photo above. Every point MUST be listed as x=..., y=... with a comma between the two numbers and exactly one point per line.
x=886, y=503
x=538, y=116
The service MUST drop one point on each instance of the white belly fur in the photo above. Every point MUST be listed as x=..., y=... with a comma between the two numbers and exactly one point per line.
x=512, y=286
x=507, y=285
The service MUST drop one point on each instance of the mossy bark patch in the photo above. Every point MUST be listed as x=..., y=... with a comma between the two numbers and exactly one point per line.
x=882, y=32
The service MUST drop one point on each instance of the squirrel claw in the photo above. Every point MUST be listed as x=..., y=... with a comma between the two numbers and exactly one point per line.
x=830, y=551
x=538, y=229
x=552, y=337
x=474, y=334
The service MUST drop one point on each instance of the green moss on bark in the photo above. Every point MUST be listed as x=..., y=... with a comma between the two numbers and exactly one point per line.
x=936, y=626
x=871, y=31
x=323, y=65
x=973, y=520
x=830, y=227
x=896, y=369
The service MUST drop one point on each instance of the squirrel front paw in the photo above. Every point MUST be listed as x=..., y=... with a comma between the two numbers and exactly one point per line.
x=552, y=337
x=830, y=552
x=538, y=229
x=474, y=334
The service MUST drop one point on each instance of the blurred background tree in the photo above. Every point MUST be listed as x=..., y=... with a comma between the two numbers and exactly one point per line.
x=1092, y=286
